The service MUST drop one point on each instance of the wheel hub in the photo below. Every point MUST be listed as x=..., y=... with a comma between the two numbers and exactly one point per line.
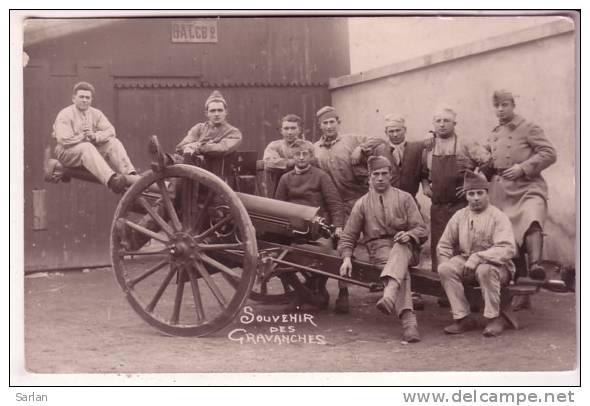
x=182, y=246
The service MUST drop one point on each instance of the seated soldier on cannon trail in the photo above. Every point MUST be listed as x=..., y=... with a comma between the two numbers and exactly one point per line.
x=394, y=231
x=477, y=245
x=86, y=138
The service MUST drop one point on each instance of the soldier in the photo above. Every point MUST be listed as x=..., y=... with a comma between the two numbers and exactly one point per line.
x=482, y=237
x=520, y=151
x=444, y=162
x=214, y=138
x=405, y=156
x=339, y=155
x=206, y=144
x=85, y=137
x=311, y=186
x=394, y=231
x=279, y=154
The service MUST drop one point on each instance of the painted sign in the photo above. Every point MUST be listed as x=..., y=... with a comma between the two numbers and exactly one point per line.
x=194, y=31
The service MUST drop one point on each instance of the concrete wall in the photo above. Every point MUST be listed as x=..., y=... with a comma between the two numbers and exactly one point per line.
x=538, y=64
x=410, y=37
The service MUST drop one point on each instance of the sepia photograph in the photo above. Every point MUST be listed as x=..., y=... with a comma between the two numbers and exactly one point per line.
x=289, y=192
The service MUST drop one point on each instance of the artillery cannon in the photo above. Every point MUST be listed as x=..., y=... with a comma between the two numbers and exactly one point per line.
x=212, y=248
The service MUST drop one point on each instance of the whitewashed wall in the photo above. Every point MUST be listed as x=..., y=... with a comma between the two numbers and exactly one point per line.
x=536, y=63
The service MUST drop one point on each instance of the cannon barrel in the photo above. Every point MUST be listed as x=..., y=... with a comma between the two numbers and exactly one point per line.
x=279, y=217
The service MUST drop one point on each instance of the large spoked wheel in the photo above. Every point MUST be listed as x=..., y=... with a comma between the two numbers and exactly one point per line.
x=185, y=267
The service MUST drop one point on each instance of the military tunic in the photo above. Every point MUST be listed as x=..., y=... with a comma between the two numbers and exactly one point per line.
x=334, y=158
x=524, y=200
x=488, y=237
x=379, y=216
x=277, y=155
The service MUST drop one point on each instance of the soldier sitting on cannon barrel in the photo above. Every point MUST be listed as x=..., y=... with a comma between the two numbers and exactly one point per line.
x=86, y=138
x=311, y=186
x=394, y=231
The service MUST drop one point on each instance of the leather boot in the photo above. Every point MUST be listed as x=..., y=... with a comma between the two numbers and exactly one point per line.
x=410, y=327
x=460, y=326
x=386, y=304
x=534, y=249
x=495, y=327
x=341, y=305
x=118, y=183
x=323, y=292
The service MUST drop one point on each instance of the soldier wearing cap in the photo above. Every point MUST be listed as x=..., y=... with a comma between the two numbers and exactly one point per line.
x=394, y=231
x=338, y=155
x=205, y=144
x=477, y=244
x=213, y=138
x=520, y=152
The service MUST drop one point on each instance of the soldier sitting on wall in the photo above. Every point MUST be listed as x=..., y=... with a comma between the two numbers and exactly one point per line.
x=86, y=138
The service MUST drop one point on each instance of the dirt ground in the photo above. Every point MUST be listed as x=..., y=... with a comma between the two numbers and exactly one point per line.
x=80, y=322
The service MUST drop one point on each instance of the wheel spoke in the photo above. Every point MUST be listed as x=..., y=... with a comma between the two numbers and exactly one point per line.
x=196, y=295
x=201, y=214
x=169, y=205
x=132, y=282
x=167, y=229
x=211, y=283
x=178, y=296
x=219, y=247
x=124, y=253
x=226, y=270
x=215, y=227
x=145, y=231
x=187, y=203
x=150, y=307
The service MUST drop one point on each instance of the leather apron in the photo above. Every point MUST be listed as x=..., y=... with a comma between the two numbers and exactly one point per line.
x=445, y=180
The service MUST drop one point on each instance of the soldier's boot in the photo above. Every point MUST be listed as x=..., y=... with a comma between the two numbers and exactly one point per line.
x=410, y=327
x=386, y=304
x=342, y=304
x=534, y=248
x=324, y=296
x=460, y=326
x=118, y=183
x=495, y=327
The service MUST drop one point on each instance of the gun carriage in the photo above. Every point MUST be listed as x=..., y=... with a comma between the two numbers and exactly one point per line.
x=211, y=248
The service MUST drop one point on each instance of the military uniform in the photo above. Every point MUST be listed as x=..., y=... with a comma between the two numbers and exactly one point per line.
x=524, y=200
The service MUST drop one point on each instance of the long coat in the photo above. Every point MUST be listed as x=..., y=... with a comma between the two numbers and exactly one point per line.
x=524, y=200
